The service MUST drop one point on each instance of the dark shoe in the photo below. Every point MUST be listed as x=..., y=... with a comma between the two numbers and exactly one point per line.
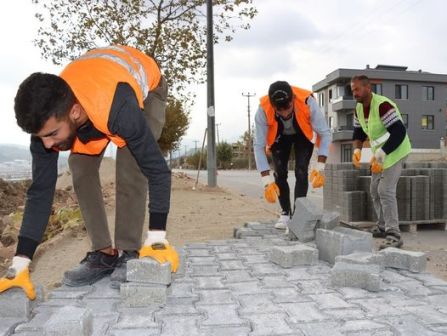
x=378, y=232
x=391, y=241
x=119, y=274
x=92, y=268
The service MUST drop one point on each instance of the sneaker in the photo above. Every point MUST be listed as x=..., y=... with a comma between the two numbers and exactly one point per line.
x=283, y=221
x=119, y=275
x=391, y=241
x=92, y=268
x=378, y=232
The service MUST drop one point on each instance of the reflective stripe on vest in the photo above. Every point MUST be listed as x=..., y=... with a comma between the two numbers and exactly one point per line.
x=380, y=140
x=140, y=76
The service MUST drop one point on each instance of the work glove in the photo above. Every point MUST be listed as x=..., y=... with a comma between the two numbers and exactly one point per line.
x=316, y=176
x=377, y=161
x=271, y=190
x=18, y=276
x=356, y=156
x=157, y=247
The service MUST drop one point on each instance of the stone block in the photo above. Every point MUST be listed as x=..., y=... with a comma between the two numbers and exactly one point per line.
x=353, y=206
x=69, y=321
x=240, y=233
x=420, y=197
x=14, y=303
x=362, y=258
x=402, y=259
x=147, y=270
x=329, y=220
x=356, y=275
x=342, y=241
x=135, y=295
x=305, y=219
x=296, y=255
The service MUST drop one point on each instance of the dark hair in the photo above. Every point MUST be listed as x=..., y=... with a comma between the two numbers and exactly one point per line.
x=280, y=94
x=40, y=97
x=362, y=78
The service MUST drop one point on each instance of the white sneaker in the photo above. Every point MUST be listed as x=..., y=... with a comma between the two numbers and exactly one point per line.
x=283, y=222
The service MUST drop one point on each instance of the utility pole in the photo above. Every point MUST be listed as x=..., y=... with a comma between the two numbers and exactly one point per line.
x=195, y=145
x=249, y=95
x=211, y=148
x=217, y=130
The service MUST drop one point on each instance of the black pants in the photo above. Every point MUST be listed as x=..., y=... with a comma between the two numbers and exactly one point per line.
x=280, y=154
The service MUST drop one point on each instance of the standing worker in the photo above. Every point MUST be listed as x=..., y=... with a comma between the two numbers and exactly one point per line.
x=116, y=94
x=289, y=116
x=378, y=119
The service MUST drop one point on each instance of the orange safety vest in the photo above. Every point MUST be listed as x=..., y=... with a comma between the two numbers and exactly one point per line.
x=93, y=77
x=302, y=115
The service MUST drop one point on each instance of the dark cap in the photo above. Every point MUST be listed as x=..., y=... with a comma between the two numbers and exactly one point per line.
x=280, y=94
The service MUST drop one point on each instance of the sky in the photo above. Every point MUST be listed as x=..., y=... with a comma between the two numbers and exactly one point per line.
x=300, y=41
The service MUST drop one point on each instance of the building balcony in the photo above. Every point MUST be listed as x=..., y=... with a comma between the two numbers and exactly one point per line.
x=342, y=133
x=343, y=103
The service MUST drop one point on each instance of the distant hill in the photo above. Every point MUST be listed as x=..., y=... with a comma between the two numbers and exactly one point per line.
x=14, y=152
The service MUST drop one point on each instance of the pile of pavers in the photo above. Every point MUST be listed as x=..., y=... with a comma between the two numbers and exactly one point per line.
x=260, y=283
x=421, y=192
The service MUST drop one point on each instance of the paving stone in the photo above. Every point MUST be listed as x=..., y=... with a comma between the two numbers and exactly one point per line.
x=142, y=295
x=350, y=293
x=298, y=255
x=228, y=265
x=102, y=324
x=35, y=324
x=14, y=303
x=202, y=260
x=266, y=269
x=341, y=241
x=320, y=329
x=275, y=282
x=209, y=282
x=408, y=325
x=301, y=273
x=270, y=324
x=257, y=304
x=244, y=233
x=303, y=312
x=177, y=309
x=133, y=332
x=315, y=286
x=378, y=307
x=148, y=271
x=102, y=289
x=101, y=307
x=355, y=275
x=228, y=256
x=225, y=331
x=331, y=301
x=254, y=259
x=221, y=315
x=304, y=219
x=428, y=315
x=180, y=325
x=363, y=325
x=329, y=220
x=402, y=259
x=415, y=288
x=203, y=270
x=253, y=287
x=345, y=314
x=135, y=321
x=427, y=279
x=236, y=276
x=215, y=297
x=289, y=295
x=8, y=324
x=69, y=321
x=362, y=258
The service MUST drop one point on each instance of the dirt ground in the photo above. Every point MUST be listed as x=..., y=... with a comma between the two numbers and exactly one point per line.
x=196, y=215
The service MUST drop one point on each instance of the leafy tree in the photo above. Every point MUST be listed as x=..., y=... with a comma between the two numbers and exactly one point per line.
x=177, y=121
x=194, y=159
x=224, y=155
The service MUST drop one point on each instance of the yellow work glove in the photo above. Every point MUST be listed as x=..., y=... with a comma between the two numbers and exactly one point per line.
x=316, y=176
x=271, y=190
x=377, y=161
x=356, y=156
x=18, y=276
x=157, y=247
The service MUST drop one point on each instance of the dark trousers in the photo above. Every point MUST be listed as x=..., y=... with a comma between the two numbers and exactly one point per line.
x=281, y=149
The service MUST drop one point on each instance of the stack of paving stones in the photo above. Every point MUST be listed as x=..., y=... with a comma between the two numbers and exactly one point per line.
x=421, y=192
x=260, y=283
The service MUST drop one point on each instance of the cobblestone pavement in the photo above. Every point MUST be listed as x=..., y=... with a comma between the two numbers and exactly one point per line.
x=230, y=287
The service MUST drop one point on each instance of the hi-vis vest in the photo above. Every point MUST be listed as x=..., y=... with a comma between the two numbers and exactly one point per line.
x=377, y=132
x=302, y=115
x=93, y=77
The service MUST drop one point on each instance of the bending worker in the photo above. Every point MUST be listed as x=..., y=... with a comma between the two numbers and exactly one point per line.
x=109, y=94
x=378, y=119
x=289, y=116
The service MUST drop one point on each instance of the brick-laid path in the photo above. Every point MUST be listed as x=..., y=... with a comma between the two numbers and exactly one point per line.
x=231, y=288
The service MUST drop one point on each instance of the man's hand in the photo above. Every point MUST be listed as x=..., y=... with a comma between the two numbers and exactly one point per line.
x=316, y=176
x=376, y=167
x=356, y=156
x=271, y=190
x=379, y=155
x=18, y=276
x=157, y=247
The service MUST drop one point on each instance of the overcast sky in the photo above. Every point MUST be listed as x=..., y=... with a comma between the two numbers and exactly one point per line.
x=300, y=41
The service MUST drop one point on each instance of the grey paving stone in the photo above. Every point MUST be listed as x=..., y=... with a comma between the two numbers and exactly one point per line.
x=427, y=279
x=300, y=273
x=203, y=270
x=254, y=259
x=202, y=260
x=236, y=276
x=363, y=325
x=341, y=241
x=136, y=321
x=320, y=329
x=266, y=269
x=303, y=312
x=362, y=258
x=345, y=314
x=355, y=275
x=133, y=332
x=402, y=259
x=229, y=265
x=215, y=297
x=180, y=325
x=142, y=295
x=102, y=289
x=289, y=295
x=8, y=324
x=253, y=287
x=378, y=307
x=315, y=286
x=297, y=255
x=149, y=271
x=66, y=292
x=331, y=301
x=270, y=324
x=195, y=252
x=221, y=315
x=414, y=288
x=329, y=220
x=225, y=331
x=35, y=324
x=304, y=219
x=428, y=315
x=275, y=282
x=245, y=232
x=227, y=256
x=101, y=324
x=209, y=282
x=101, y=307
x=408, y=325
x=69, y=321
x=257, y=304
x=350, y=293
x=181, y=290
x=14, y=303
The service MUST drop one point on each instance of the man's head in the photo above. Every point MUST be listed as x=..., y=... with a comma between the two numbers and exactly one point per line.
x=45, y=106
x=361, y=88
x=281, y=97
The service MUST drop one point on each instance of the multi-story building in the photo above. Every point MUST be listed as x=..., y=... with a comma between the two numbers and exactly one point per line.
x=421, y=97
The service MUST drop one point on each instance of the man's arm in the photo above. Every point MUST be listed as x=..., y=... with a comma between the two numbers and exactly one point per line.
x=320, y=126
x=260, y=142
x=39, y=198
x=359, y=136
x=127, y=120
x=393, y=125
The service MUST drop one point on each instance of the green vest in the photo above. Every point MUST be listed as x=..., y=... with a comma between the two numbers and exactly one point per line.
x=377, y=133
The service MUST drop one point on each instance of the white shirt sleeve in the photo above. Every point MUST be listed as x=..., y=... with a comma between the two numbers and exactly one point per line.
x=319, y=125
x=260, y=140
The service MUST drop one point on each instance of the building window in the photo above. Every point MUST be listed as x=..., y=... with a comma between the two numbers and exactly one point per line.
x=321, y=99
x=428, y=93
x=330, y=94
x=346, y=152
x=428, y=122
x=350, y=121
x=330, y=122
x=401, y=91
x=377, y=88
x=405, y=120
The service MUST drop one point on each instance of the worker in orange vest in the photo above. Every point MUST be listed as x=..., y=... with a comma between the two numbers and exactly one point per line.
x=289, y=116
x=117, y=94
